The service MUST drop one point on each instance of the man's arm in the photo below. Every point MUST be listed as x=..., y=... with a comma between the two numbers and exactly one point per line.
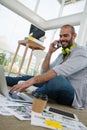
x=35, y=80
x=46, y=62
x=44, y=77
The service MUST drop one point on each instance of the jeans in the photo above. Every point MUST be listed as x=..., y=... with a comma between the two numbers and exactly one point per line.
x=59, y=88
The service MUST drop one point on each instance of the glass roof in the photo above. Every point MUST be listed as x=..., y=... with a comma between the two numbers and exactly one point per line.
x=44, y=8
x=50, y=9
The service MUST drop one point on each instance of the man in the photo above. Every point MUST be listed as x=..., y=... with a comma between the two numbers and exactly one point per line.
x=65, y=80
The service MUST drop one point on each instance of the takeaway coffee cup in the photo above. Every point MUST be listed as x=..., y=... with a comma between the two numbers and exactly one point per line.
x=39, y=102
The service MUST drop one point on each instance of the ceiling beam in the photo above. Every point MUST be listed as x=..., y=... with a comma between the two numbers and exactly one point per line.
x=57, y=23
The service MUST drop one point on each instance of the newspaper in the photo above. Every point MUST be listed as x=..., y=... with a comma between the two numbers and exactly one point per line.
x=22, y=111
x=4, y=112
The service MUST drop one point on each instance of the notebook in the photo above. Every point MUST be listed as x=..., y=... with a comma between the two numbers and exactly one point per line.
x=17, y=97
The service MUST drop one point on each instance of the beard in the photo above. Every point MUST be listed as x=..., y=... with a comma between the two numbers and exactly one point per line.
x=68, y=42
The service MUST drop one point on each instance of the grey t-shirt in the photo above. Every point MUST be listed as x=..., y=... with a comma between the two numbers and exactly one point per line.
x=75, y=69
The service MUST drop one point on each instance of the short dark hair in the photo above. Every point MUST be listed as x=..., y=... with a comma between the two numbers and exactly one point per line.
x=70, y=26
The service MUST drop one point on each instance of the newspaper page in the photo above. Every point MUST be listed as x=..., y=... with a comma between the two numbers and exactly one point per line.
x=55, y=122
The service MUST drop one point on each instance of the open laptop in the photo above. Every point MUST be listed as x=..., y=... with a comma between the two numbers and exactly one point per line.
x=17, y=97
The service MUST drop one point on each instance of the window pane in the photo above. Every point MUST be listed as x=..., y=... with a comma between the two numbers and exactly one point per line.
x=12, y=27
x=48, y=9
x=75, y=7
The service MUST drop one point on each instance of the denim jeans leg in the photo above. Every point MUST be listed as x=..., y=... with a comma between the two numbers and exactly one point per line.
x=59, y=89
x=14, y=80
x=42, y=89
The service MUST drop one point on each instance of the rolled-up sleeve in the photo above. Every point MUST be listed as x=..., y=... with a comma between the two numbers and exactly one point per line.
x=74, y=63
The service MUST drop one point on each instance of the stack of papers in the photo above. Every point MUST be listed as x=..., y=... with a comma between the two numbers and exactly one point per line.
x=55, y=122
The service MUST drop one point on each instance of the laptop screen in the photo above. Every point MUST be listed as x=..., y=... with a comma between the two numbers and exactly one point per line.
x=36, y=32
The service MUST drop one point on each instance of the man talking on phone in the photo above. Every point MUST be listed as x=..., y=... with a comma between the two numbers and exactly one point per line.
x=65, y=80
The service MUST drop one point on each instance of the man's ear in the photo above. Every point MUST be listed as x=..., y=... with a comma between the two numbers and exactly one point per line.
x=74, y=35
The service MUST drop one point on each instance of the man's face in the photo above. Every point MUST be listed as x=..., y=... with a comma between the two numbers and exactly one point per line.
x=66, y=37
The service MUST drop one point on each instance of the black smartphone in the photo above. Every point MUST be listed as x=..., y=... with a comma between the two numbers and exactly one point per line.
x=62, y=113
x=58, y=45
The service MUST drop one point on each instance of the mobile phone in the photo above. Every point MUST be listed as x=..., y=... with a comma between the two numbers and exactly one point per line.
x=62, y=113
x=58, y=45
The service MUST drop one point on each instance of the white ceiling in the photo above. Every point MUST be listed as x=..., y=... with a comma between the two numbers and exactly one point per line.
x=31, y=16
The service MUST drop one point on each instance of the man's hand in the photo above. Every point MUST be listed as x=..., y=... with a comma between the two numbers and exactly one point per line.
x=22, y=86
x=53, y=46
x=18, y=87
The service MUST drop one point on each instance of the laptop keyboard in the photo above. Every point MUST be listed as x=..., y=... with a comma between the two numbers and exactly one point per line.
x=14, y=95
x=20, y=96
x=25, y=97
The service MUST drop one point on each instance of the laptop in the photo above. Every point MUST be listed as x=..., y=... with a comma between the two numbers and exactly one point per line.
x=17, y=97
